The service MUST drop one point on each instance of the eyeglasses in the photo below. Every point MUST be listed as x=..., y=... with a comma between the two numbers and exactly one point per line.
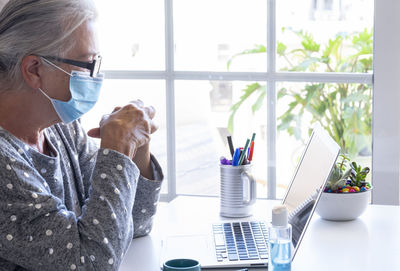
x=93, y=66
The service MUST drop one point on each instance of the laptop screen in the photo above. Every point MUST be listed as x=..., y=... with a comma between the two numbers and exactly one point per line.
x=310, y=175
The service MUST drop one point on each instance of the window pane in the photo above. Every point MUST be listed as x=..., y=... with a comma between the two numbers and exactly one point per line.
x=202, y=114
x=131, y=34
x=120, y=92
x=208, y=33
x=325, y=35
x=344, y=110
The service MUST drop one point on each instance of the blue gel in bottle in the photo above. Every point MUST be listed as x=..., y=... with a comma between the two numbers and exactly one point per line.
x=280, y=241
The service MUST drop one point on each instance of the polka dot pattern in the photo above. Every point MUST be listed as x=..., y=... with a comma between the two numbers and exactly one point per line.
x=53, y=175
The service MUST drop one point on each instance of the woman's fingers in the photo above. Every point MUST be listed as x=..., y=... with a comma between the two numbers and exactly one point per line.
x=138, y=103
x=116, y=109
x=95, y=132
x=150, y=111
x=104, y=118
x=153, y=127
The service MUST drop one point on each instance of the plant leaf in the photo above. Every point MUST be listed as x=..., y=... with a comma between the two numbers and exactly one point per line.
x=258, y=48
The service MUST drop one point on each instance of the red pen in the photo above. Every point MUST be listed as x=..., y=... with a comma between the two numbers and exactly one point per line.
x=251, y=151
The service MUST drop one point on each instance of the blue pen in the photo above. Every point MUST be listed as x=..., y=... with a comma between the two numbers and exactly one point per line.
x=235, y=159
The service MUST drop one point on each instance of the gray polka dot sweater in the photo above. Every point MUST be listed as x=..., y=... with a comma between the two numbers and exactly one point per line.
x=77, y=209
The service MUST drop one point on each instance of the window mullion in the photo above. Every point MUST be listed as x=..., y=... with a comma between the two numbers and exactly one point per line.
x=170, y=98
x=271, y=100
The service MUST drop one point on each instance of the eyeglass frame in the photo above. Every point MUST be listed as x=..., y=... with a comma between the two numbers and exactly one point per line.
x=92, y=66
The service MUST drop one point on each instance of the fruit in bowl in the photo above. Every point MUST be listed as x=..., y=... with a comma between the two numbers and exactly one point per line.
x=347, y=193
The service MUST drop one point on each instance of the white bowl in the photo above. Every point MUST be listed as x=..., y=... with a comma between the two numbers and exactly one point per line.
x=343, y=206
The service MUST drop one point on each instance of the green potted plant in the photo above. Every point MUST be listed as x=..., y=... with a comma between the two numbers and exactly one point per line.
x=347, y=192
x=342, y=109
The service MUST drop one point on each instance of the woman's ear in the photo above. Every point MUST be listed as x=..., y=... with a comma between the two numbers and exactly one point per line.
x=30, y=69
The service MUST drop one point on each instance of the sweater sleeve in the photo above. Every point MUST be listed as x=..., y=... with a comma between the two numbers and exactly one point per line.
x=37, y=232
x=147, y=191
x=146, y=200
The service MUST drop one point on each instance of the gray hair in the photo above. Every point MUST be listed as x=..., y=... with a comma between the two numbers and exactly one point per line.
x=38, y=27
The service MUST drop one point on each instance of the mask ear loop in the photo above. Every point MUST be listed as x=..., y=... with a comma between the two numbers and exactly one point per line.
x=55, y=66
x=44, y=93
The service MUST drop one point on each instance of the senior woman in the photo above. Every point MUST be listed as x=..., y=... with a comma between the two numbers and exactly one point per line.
x=66, y=204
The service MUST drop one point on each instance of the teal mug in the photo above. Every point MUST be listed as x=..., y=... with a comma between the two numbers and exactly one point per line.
x=181, y=265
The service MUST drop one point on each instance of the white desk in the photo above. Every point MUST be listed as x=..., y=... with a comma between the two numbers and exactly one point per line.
x=371, y=242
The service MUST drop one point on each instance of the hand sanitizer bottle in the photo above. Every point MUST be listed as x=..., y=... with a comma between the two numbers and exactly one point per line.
x=280, y=240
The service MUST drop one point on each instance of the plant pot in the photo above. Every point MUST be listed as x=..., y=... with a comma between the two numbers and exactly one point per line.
x=343, y=206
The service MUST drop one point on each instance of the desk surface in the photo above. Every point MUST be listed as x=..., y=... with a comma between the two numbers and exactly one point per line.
x=371, y=242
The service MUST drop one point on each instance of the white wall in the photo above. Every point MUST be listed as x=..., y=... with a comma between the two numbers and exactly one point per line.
x=386, y=116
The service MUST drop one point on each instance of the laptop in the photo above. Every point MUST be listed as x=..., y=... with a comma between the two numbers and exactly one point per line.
x=244, y=244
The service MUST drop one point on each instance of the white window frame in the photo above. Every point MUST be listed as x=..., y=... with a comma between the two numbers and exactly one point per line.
x=386, y=99
x=386, y=87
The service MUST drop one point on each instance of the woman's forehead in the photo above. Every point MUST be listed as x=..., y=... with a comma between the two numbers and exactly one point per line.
x=86, y=43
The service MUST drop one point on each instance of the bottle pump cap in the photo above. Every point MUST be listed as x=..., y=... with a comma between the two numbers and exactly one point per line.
x=280, y=216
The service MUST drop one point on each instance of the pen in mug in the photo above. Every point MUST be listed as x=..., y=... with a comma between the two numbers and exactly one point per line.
x=251, y=148
x=231, y=149
x=244, y=152
x=235, y=159
x=250, y=156
x=253, y=137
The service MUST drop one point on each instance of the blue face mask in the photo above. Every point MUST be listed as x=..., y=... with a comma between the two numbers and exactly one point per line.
x=85, y=91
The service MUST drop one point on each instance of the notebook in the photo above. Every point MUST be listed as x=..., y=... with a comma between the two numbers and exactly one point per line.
x=244, y=244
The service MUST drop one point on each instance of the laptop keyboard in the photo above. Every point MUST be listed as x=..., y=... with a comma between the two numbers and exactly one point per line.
x=240, y=241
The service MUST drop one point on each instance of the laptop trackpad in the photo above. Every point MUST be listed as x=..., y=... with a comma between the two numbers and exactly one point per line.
x=187, y=246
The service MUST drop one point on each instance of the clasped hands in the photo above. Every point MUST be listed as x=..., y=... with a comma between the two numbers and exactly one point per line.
x=127, y=128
